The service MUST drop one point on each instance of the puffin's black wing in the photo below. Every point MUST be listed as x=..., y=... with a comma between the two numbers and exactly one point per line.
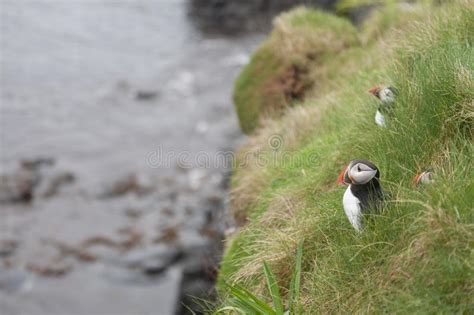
x=371, y=196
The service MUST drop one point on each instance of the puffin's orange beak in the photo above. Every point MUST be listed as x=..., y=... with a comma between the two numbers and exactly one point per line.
x=416, y=179
x=374, y=90
x=340, y=179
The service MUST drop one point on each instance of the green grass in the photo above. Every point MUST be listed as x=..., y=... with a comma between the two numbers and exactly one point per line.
x=251, y=87
x=244, y=302
x=278, y=74
x=416, y=257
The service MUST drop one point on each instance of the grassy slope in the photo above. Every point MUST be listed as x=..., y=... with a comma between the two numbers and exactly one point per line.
x=418, y=255
x=279, y=72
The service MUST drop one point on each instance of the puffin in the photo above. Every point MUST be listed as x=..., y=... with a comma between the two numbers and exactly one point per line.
x=423, y=178
x=386, y=95
x=364, y=194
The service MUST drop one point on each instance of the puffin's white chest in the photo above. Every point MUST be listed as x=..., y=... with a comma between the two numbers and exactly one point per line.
x=352, y=209
x=380, y=119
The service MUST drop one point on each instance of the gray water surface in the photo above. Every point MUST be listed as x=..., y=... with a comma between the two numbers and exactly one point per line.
x=104, y=89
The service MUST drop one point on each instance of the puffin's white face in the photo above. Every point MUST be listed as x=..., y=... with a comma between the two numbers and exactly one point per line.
x=361, y=174
x=386, y=95
x=424, y=178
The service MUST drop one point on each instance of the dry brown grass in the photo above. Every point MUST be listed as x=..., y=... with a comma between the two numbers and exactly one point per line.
x=280, y=241
x=252, y=178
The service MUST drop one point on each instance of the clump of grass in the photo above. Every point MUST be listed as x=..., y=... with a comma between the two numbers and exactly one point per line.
x=416, y=256
x=279, y=73
x=243, y=301
x=305, y=33
x=394, y=15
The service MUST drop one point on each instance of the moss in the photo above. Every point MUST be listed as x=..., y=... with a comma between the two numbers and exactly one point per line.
x=415, y=257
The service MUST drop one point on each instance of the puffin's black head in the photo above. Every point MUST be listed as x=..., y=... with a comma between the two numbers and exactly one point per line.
x=359, y=172
x=385, y=93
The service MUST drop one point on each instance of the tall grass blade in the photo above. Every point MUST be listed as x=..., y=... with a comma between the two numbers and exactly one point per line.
x=230, y=309
x=274, y=289
x=249, y=302
x=296, y=281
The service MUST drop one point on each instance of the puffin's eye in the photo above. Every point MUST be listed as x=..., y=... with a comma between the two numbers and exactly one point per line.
x=363, y=168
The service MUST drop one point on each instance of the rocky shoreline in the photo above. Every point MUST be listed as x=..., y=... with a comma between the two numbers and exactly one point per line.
x=144, y=242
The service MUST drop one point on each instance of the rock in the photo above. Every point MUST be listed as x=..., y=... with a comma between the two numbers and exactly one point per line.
x=122, y=186
x=132, y=238
x=129, y=183
x=133, y=213
x=36, y=163
x=191, y=293
x=99, y=240
x=152, y=260
x=215, y=201
x=30, y=179
x=7, y=247
x=80, y=253
x=56, y=182
x=234, y=16
x=223, y=180
x=54, y=269
x=145, y=95
x=168, y=235
x=7, y=192
x=25, y=181
x=152, y=268
x=214, y=206
x=199, y=274
x=211, y=233
x=19, y=186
